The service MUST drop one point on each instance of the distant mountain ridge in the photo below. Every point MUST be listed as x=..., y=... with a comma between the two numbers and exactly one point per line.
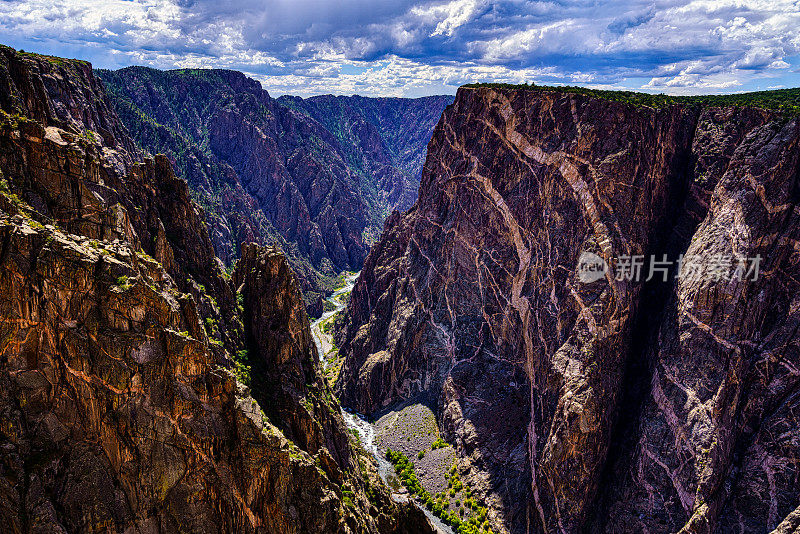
x=385, y=139
x=315, y=176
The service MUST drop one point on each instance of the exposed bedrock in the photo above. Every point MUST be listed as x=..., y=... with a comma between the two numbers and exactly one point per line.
x=315, y=177
x=609, y=405
x=119, y=332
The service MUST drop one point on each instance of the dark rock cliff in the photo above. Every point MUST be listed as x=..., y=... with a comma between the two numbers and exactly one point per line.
x=119, y=410
x=287, y=379
x=613, y=406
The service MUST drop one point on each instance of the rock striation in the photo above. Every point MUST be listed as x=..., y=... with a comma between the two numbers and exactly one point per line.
x=613, y=405
x=121, y=341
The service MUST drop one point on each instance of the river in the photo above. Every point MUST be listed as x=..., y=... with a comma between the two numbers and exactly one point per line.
x=366, y=432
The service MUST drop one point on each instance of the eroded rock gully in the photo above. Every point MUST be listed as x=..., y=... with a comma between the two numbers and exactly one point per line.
x=611, y=406
x=118, y=333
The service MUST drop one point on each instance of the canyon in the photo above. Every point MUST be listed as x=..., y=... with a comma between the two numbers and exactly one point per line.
x=143, y=388
x=167, y=235
x=314, y=176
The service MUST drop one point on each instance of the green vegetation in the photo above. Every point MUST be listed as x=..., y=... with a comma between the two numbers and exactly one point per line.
x=239, y=302
x=11, y=120
x=405, y=470
x=356, y=436
x=89, y=135
x=326, y=326
x=347, y=497
x=333, y=367
x=144, y=257
x=205, y=295
x=241, y=367
x=123, y=282
x=476, y=521
x=212, y=330
x=340, y=280
x=11, y=201
x=438, y=444
x=59, y=61
x=229, y=268
x=342, y=298
x=786, y=101
x=333, y=360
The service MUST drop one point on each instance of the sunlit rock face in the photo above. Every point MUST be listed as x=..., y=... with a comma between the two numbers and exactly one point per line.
x=119, y=410
x=618, y=404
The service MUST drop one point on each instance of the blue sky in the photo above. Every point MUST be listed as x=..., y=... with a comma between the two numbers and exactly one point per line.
x=420, y=47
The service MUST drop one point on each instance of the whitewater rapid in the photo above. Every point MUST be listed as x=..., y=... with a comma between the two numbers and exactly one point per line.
x=355, y=421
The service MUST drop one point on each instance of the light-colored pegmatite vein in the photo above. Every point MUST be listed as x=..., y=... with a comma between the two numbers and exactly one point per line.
x=444, y=332
x=568, y=166
x=519, y=302
x=681, y=441
x=564, y=162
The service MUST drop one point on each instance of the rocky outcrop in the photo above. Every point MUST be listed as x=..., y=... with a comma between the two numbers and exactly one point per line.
x=286, y=376
x=114, y=414
x=120, y=338
x=610, y=404
x=94, y=183
x=315, y=180
x=116, y=417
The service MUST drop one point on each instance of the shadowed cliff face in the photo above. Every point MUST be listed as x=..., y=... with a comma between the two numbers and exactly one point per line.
x=612, y=405
x=315, y=177
x=287, y=379
x=118, y=330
